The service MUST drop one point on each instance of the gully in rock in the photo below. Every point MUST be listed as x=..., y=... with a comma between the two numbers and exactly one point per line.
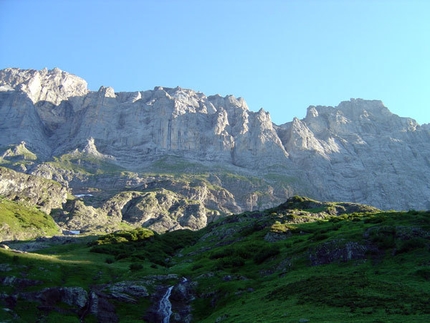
x=165, y=309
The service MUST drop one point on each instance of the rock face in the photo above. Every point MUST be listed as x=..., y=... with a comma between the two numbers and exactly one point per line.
x=361, y=152
x=100, y=301
x=45, y=194
x=358, y=151
x=133, y=127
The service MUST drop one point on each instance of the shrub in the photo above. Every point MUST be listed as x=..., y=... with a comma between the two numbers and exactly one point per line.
x=423, y=273
x=411, y=244
x=384, y=237
x=110, y=260
x=102, y=249
x=247, y=251
x=196, y=266
x=138, y=234
x=278, y=227
x=374, y=219
x=135, y=266
x=229, y=262
x=119, y=240
x=266, y=253
x=319, y=236
x=226, y=252
x=250, y=229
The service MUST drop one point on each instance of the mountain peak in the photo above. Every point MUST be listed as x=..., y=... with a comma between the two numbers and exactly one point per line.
x=51, y=86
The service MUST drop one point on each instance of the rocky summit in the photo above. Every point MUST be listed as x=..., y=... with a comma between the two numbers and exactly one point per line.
x=172, y=158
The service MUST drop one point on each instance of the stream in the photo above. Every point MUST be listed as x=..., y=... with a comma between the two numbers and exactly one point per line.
x=165, y=309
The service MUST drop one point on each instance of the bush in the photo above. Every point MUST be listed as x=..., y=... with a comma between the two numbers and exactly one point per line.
x=196, y=266
x=266, y=253
x=136, y=266
x=110, y=260
x=138, y=234
x=375, y=219
x=226, y=252
x=411, y=244
x=103, y=249
x=246, y=252
x=229, y=262
x=143, y=244
x=254, y=227
x=320, y=236
x=384, y=237
x=423, y=273
x=179, y=239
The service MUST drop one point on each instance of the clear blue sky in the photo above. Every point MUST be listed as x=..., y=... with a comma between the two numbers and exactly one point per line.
x=280, y=55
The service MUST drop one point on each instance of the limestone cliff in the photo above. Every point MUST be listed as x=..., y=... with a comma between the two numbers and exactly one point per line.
x=107, y=142
x=359, y=151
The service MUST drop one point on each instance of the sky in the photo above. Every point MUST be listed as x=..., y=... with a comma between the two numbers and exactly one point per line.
x=279, y=55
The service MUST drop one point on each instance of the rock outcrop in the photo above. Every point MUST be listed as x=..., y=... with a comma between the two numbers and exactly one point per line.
x=359, y=151
x=34, y=190
x=109, y=142
x=100, y=301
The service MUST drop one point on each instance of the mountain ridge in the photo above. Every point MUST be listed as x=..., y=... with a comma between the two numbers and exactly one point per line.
x=358, y=151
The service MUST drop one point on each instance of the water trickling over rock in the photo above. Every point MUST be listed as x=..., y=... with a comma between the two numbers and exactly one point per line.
x=165, y=309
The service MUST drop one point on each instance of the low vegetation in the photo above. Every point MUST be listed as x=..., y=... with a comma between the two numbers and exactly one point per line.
x=20, y=221
x=303, y=261
x=85, y=164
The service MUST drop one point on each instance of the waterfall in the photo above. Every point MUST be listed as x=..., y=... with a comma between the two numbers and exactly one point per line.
x=165, y=309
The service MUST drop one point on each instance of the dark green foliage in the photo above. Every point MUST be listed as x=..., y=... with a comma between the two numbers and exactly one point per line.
x=233, y=257
x=384, y=237
x=266, y=253
x=254, y=227
x=144, y=244
x=319, y=236
x=403, y=239
x=135, y=266
x=411, y=244
x=355, y=292
x=110, y=260
x=423, y=273
x=375, y=219
x=226, y=252
x=229, y=262
x=137, y=234
x=176, y=240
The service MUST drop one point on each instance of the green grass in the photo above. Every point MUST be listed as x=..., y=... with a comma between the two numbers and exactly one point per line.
x=24, y=221
x=241, y=277
x=85, y=164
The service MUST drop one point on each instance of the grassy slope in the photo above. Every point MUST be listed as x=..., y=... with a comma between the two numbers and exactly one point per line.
x=243, y=278
x=284, y=288
x=24, y=221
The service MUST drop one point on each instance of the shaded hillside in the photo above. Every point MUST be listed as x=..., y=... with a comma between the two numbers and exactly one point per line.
x=302, y=261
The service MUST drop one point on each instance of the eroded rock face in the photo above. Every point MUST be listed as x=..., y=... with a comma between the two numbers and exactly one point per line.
x=102, y=301
x=44, y=193
x=50, y=86
x=337, y=251
x=358, y=151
